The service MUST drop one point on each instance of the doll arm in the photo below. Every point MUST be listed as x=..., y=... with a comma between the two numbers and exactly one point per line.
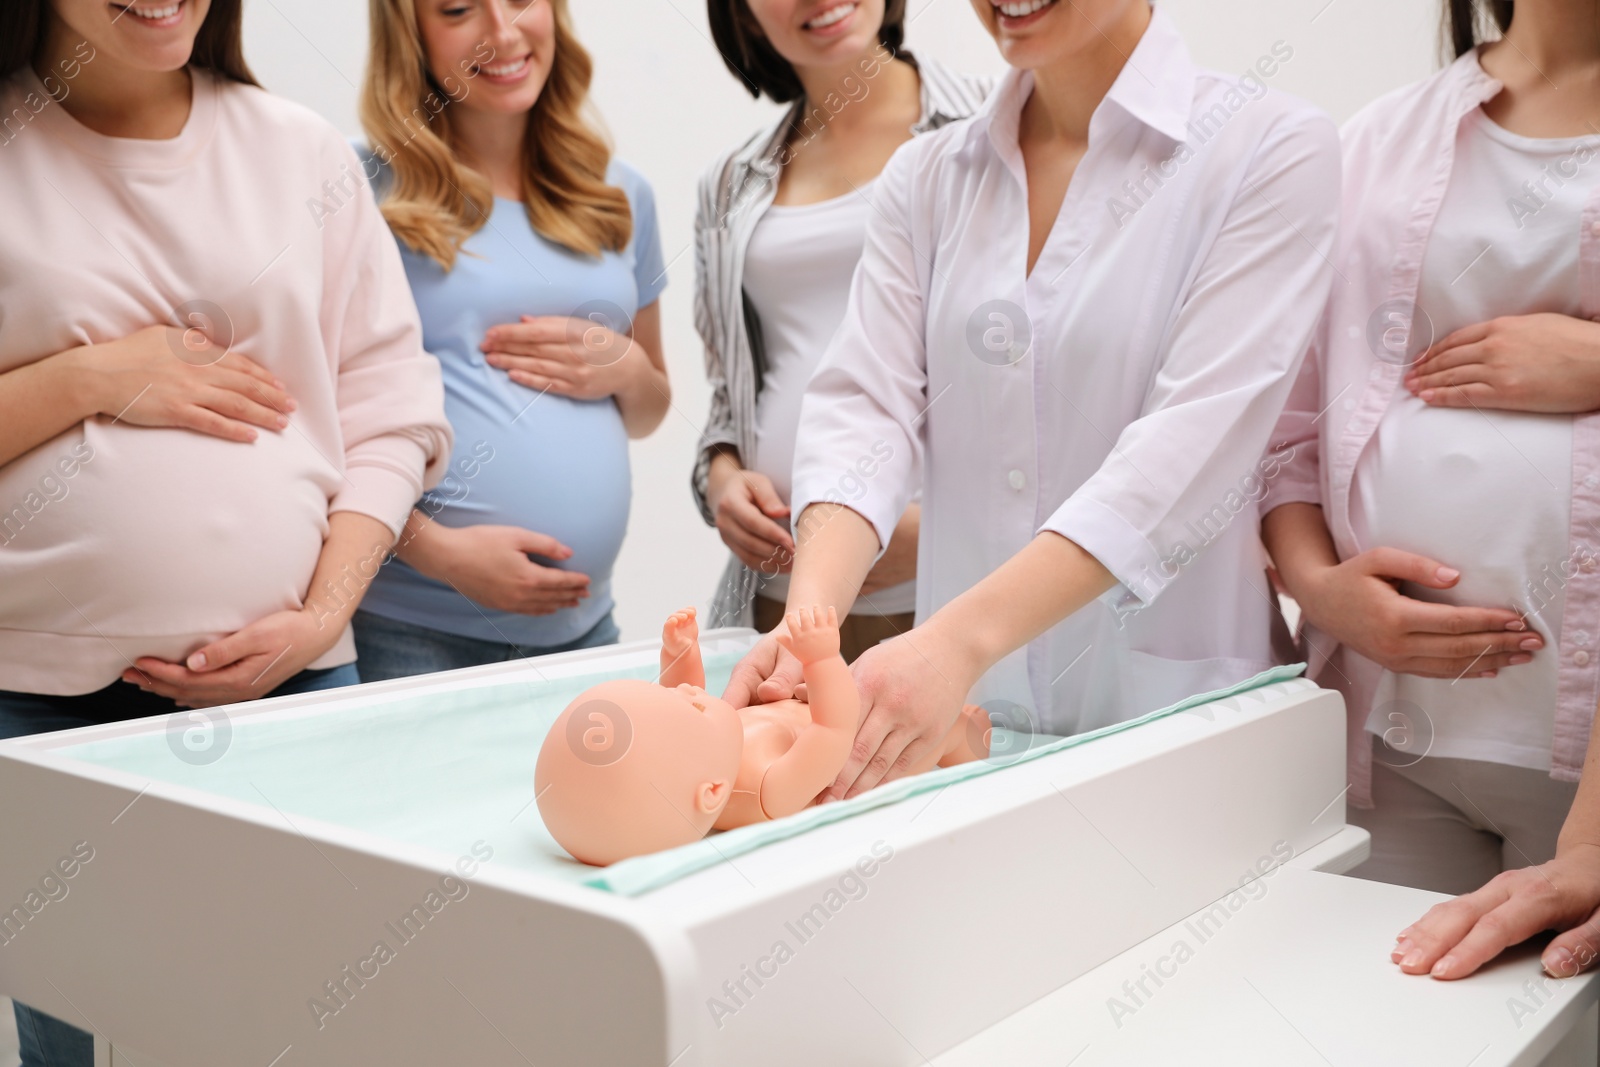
x=813, y=761
x=680, y=651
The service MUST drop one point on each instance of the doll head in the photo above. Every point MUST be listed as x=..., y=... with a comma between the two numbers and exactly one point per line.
x=632, y=767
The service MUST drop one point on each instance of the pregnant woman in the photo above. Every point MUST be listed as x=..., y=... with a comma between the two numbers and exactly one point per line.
x=535, y=263
x=780, y=229
x=214, y=403
x=1436, y=522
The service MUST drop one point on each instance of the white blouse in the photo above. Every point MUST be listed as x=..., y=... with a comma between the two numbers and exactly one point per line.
x=1122, y=394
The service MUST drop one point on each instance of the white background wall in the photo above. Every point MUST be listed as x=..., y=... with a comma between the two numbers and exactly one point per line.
x=670, y=106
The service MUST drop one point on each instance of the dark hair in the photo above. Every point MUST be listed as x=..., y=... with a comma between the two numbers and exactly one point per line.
x=1464, y=19
x=218, y=46
x=753, y=60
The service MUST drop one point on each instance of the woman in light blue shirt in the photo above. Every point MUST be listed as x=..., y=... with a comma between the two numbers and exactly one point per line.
x=535, y=263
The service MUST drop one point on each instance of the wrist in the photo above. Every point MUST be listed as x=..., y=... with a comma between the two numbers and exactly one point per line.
x=965, y=647
x=81, y=379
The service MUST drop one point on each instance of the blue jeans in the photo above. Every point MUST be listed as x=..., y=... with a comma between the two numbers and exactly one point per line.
x=387, y=648
x=45, y=1040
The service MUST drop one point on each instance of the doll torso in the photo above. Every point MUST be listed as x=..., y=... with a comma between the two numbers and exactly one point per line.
x=769, y=731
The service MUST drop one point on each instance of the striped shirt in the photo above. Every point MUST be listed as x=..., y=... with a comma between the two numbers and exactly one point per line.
x=734, y=193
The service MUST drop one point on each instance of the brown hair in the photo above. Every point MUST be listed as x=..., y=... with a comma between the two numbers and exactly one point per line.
x=1466, y=20
x=218, y=45
x=435, y=202
x=753, y=60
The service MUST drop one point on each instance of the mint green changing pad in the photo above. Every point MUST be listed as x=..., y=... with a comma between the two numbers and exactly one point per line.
x=446, y=770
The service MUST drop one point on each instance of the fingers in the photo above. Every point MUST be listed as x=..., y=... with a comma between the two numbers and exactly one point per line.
x=753, y=552
x=869, y=739
x=1574, y=951
x=1468, y=395
x=530, y=331
x=766, y=497
x=206, y=421
x=1510, y=924
x=1409, y=567
x=742, y=509
x=781, y=682
x=231, y=649
x=1428, y=940
x=1439, y=354
x=749, y=672
x=1420, y=616
x=259, y=386
x=239, y=364
x=538, y=544
x=241, y=408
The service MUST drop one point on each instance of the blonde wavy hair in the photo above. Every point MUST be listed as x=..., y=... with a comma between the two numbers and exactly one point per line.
x=435, y=201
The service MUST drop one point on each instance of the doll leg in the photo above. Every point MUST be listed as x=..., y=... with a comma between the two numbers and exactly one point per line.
x=968, y=739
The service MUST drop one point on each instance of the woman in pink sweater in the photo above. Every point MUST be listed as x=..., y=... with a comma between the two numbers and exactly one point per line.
x=215, y=407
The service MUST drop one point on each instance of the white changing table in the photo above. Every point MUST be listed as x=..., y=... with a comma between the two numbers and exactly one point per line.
x=985, y=923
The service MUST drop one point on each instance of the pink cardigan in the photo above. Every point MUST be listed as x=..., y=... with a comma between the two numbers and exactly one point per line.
x=119, y=541
x=1398, y=155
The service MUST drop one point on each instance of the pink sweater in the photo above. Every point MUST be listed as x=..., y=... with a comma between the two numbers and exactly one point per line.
x=119, y=541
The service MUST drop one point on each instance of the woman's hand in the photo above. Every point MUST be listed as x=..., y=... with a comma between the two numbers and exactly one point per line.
x=1357, y=603
x=912, y=690
x=566, y=356
x=490, y=566
x=1541, y=363
x=164, y=376
x=246, y=665
x=746, y=508
x=767, y=673
x=1457, y=937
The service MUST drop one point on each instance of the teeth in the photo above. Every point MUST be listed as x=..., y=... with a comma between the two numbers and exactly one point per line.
x=1026, y=7
x=508, y=68
x=155, y=14
x=830, y=16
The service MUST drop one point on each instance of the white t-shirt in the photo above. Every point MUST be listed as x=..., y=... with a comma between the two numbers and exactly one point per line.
x=797, y=274
x=1487, y=492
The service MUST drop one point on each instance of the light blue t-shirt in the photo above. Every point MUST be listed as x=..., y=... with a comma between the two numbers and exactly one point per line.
x=542, y=462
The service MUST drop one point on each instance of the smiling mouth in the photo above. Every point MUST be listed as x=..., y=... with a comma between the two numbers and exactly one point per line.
x=168, y=14
x=830, y=16
x=505, y=70
x=1021, y=9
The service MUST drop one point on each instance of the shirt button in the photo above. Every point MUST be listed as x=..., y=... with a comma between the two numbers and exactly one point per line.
x=1581, y=658
x=1017, y=479
x=1594, y=228
x=1581, y=638
x=1588, y=565
x=1590, y=481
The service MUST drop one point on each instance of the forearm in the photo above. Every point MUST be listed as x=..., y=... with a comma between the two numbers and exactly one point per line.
x=422, y=544
x=899, y=561
x=43, y=399
x=1297, y=538
x=1582, y=827
x=644, y=401
x=1049, y=579
x=354, y=549
x=834, y=549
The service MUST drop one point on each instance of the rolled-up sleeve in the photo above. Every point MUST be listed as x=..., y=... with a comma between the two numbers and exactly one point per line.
x=1231, y=356
x=860, y=442
x=390, y=392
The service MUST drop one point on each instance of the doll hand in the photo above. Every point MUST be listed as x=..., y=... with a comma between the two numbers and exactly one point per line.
x=679, y=633
x=813, y=634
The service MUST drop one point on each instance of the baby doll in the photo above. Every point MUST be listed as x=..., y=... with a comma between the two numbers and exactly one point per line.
x=632, y=767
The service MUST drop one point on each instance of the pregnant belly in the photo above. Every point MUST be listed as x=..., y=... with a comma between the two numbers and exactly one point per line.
x=564, y=474
x=157, y=532
x=1485, y=492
